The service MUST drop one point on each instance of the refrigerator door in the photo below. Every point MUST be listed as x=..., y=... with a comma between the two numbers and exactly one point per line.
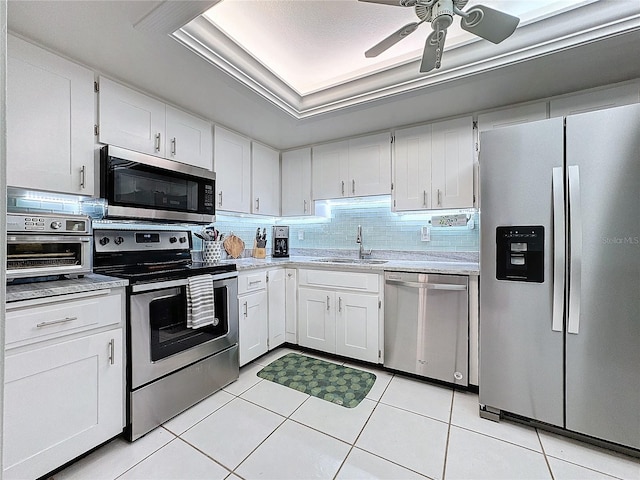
x=603, y=338
x=521, y=347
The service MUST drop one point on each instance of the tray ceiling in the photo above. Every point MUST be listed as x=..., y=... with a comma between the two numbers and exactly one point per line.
x=307, y=56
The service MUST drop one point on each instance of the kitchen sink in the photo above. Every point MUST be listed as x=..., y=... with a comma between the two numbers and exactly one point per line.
x=357, y=261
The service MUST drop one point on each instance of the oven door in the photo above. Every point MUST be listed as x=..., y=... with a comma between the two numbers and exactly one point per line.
x=161, y=342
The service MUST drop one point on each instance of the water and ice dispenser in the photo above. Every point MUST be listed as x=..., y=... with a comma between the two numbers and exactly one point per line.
x=520, y=253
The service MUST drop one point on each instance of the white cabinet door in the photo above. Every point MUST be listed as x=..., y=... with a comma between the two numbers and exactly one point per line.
x=130, y=119
x=50, y=117
x=291, y=310
x=330, y=170
x=265, y=174
x=60, y=401
x=232, y=164
x=357, y=326
x=412, y=184
x=277, y=307
x=370, y=165
x=316, y=319
x=595, y=100
x=189, y=139
x=296, y=183
x=452, y=163
x=253, y=331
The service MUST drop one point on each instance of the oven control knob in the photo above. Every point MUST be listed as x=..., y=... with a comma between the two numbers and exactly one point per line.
x=173, y=240
x=56, y=225
x=104, y=240
x=118, y=240
x=183, y=239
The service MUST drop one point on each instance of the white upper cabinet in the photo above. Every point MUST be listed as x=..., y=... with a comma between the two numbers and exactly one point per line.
x=265, y=185
x=370, y=165
x=352, y=168
x=512, y=116
x=232, y=162
x=50, y=117
x=452, y=163
x=130, y=119
x=434, y=166
x=595, y=100
x=296, y=183
x=412, y=185
x=189, y=139
x=330, y=170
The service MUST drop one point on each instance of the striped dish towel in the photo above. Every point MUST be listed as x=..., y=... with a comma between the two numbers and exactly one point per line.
x=200, y=306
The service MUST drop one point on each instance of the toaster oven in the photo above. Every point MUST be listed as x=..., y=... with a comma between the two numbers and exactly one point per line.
x=45, y=245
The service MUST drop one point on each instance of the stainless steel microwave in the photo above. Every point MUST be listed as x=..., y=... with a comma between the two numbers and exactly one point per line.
x=144, y=187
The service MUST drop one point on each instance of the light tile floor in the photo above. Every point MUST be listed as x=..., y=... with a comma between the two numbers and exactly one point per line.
x=404, y=429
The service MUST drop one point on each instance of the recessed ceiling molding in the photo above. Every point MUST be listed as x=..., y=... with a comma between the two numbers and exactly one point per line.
x=169, y=16
x=590, y=23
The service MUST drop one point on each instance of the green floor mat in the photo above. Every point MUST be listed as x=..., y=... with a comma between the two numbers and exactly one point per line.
x=337, y=384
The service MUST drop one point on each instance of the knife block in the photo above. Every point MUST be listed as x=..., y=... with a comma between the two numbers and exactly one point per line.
x=258, y=252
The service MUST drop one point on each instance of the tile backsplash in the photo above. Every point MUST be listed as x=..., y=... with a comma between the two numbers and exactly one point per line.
x=336, y=229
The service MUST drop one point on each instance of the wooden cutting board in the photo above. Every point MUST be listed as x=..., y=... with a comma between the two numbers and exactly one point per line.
x=233, y=245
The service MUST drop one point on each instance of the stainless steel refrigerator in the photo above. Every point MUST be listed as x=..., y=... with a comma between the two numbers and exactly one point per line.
x=560, y=273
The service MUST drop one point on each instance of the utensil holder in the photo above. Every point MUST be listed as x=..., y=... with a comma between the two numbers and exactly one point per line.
x=211, y=251
x=258, y=252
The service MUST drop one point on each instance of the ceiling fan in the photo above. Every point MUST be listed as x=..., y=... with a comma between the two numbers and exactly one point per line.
x=485, y=22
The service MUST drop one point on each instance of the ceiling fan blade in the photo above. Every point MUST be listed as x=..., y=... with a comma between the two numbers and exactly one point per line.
x=395, y=3
x=433, y=49
x=490, y=24
x=391, y=40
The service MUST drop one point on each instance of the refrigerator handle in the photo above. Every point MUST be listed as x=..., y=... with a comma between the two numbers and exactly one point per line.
x=575, y=245
x=558, y=250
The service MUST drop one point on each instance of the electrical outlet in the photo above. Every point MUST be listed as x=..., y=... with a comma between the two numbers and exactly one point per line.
x=300, y=235
x=425, y=234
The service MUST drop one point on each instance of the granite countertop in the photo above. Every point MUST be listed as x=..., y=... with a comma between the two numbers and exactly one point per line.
x=444, y=266
x=90, y=282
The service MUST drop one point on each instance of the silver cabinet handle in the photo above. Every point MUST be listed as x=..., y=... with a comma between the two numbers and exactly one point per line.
x=246, y=309
x=157, y=142
x=304, y=206
x=56, y=322
x=290, y=275
x=353, y=186
x=343, y=188
x=575, y=246
x=83, y=177
x=255, y=282
x=439, y=198
x=424, y=198
x=257, y=203
x=339, y=304
x=112, y=350
x=220, y=201
x=173, y=146
x=558, y=249
x=327, y=302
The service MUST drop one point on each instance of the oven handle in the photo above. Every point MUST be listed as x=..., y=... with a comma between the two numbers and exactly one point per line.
x=147, y=287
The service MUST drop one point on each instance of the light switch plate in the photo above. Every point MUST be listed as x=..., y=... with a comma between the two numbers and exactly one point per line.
x=300, y=234
x=425, y=234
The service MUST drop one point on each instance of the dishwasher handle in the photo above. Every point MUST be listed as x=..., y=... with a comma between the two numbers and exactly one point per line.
x=428, y=286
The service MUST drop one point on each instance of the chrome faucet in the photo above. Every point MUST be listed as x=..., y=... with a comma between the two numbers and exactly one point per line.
x=361, y=253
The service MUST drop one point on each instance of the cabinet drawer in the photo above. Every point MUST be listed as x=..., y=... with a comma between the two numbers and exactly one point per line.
x=251, y=282
x=60, y=317
x=362, y=282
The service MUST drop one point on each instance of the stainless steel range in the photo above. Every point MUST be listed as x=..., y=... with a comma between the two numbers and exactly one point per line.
x=173, y=362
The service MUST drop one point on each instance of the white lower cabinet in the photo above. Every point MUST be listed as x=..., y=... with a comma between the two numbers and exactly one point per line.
x=276, y=288
x=253, y=310
x=339, y=312
x=63, y=390
x=291, y=308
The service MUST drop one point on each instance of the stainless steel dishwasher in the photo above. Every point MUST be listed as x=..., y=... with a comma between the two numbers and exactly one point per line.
x=426, y=325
